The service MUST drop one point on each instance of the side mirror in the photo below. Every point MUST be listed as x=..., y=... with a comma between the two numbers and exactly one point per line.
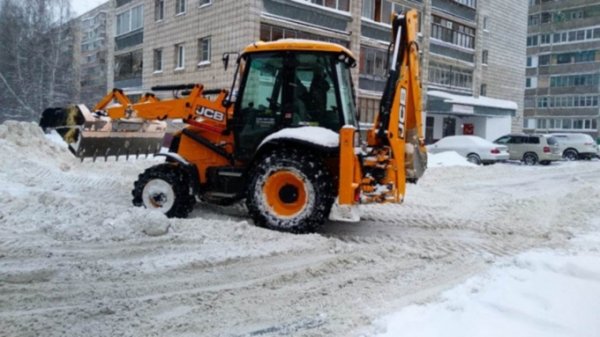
x=225, y=60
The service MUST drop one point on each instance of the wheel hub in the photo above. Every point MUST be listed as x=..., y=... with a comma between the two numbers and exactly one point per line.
x=288, y=194
x=158, y=194
x=158, y=199
x=285, y=193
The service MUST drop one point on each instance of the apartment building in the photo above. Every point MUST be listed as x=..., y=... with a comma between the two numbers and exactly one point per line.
x=563, y=67
x=472, y=76
x=96, y=40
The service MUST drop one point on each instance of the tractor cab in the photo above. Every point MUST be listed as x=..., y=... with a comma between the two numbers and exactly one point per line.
x=288, y=84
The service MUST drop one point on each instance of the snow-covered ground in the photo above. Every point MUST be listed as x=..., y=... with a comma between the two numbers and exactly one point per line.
x=498, y=247
x=541, y=293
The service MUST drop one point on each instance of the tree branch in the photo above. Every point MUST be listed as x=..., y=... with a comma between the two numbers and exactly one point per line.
x=29, y=109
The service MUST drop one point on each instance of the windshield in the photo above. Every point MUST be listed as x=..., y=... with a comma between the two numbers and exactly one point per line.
x=346, y=93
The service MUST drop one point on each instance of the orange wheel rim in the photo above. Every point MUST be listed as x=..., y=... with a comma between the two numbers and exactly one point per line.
x=285, y=193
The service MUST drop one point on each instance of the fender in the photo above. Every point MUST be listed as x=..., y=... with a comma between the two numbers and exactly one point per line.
x=173, y=156
x=190, y=168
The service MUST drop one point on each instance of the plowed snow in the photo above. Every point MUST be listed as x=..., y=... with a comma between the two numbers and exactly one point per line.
x=77, y=260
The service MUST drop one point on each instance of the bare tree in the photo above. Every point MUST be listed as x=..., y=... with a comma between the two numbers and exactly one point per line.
x=36, y=58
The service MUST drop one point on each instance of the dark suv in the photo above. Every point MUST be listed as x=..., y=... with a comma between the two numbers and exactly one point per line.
x=531, y=149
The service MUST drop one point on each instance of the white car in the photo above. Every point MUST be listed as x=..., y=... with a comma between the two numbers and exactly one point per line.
x=476, y=149
x=575, y=146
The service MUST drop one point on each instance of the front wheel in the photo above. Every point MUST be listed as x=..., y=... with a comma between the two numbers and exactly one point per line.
x=290, y=191
x=166, y=188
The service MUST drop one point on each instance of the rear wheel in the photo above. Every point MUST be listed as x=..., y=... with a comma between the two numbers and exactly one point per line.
x=530, y=158
x=290, y=191
x=166, y=188
x=570, y=155
x=474, y=159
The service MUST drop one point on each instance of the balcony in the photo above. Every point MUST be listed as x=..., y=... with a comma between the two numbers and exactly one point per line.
x=456, y=9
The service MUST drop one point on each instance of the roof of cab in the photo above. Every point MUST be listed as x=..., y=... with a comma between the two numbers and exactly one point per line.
x=297, y=44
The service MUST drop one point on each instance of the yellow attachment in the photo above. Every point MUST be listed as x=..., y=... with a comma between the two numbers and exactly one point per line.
x=285, y=182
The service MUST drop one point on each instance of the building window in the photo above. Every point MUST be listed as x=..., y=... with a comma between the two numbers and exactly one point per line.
x=342, y=5
x=546, y=17
x=274, y=33
x=128, y=66
x=381, y=10
x=130, y=20
x=484, y=57
x=159, y=10
x=486, y=23
x=372, y=62
x=532, y=41
x=483, y=90
x=452, y=32
x=468, y=3
x=574, y=80
x=204, y=51
x=544, y=60
x=158, y=60
x=179, y=7
x=570, y=102
x=205, y=2
x=576, y=57
x=451, y=77
x=179, y=56
x=545, y=39
x=531, y=82
x=532, y=61
x=533, y=20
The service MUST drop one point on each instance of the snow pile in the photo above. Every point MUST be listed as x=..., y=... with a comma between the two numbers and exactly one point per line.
x=445, y=159
x=535, y=294
x=311, y=134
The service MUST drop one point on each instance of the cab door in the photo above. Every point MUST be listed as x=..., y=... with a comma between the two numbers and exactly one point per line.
x=259, y=109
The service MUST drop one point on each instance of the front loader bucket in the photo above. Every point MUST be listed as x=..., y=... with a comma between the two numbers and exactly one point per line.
x=99, y=144
x=92, y=135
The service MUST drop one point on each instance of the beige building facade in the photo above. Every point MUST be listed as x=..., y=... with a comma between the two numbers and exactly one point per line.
x=162, y=42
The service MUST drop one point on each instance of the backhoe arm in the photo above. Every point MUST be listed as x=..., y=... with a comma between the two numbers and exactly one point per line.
x=188, y=108
x=399, y=123
x=395, y=152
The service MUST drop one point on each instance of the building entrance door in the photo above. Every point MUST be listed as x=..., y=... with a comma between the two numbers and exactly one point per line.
x=449, y=127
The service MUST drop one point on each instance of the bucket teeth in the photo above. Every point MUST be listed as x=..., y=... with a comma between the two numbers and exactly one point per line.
x=109, y=145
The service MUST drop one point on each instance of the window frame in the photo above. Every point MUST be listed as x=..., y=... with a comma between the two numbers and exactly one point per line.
x=201, y=60
x=129, y=13
x=159, y=10
x=178, y=4
x=180, y=56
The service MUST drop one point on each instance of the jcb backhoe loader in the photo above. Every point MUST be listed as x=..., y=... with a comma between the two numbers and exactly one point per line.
x=286, y=140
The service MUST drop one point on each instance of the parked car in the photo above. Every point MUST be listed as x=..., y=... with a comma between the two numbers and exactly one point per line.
x=476, y=149
x=575, y=146
x=531, y=149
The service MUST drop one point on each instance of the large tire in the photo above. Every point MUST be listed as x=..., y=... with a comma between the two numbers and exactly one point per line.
x=166, y=188
x=290, y=191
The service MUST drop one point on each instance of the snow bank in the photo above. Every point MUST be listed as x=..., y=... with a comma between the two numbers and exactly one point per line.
x=541, y=294
x=448, y=158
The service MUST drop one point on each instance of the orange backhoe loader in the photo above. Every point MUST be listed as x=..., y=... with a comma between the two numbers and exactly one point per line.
x=285, y=136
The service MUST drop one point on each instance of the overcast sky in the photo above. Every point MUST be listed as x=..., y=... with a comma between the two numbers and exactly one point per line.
x=82, y=6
